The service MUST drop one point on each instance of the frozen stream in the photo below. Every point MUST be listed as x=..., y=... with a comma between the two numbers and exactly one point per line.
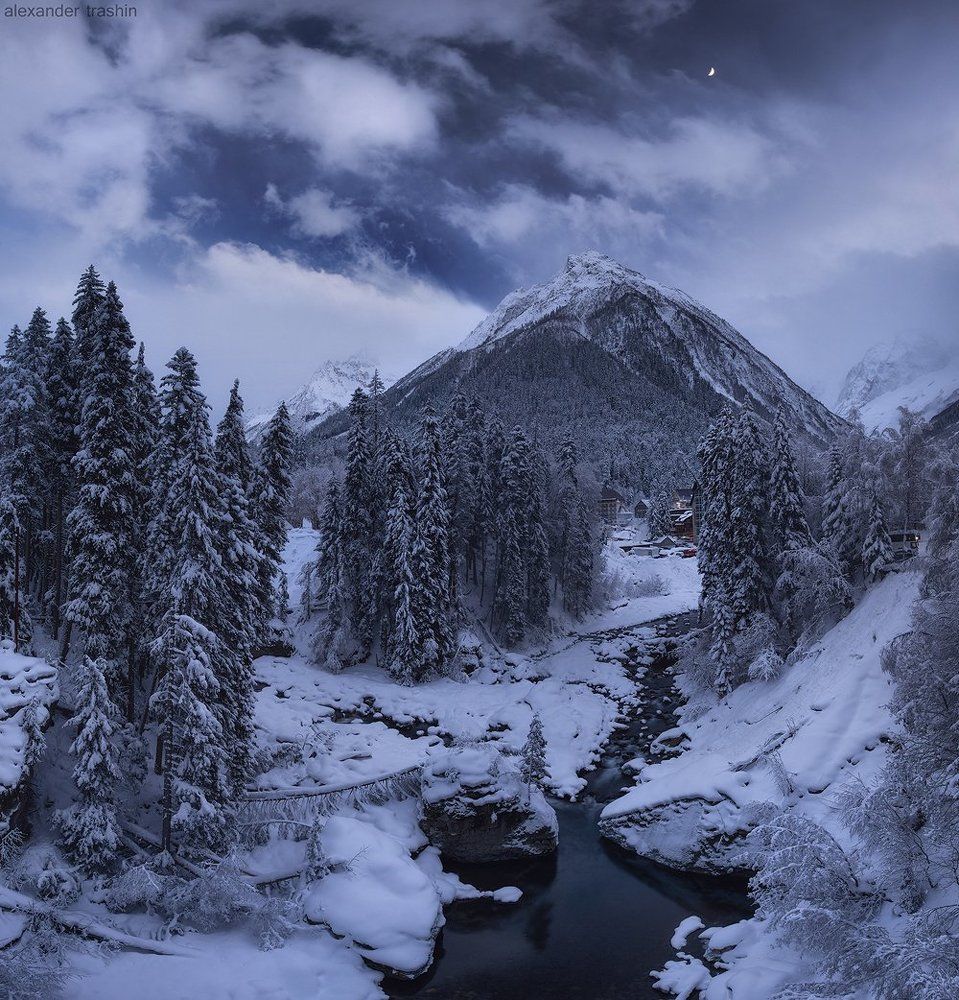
x=594, y=919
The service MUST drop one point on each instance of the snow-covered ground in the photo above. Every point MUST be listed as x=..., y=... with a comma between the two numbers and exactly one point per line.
x=384, y=900
x=797, y=742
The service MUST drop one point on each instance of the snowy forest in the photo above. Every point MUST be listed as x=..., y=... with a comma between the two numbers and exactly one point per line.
x=228, y=735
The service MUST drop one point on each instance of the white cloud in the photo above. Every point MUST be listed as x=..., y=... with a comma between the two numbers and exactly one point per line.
x=270, y=320
x=314, y=212
x=85, y=132
x=521, y=215
x=719, y=157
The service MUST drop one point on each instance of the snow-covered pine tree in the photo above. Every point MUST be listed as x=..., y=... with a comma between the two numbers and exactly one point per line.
x=658, y=515
x=240, y=555
x=837, y=531
x=232, y=449
x=34, y=454
x=62, y=385
x=404, y=642
x=787, y=510
x=15, y=621
x=430, y=553
x=537, y=545
x=102, y=525
x=475, y=474
x=877, y=548
x=89, y=828
x=717, y=544
x=272, y=499
x=193, y=605
x=509, y=599
x=332, y=638
x=89, y=295
x=357, y=527
x=751, y=581
x=575, y=556
x=533, y=768
x=495, y=447
x=196, y=786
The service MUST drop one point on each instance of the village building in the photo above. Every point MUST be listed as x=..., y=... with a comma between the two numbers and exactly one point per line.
x=612, y=505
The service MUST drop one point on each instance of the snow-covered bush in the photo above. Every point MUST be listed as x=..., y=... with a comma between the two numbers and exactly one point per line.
x=619, y=583
x=216, y=899
x=141, y=886
x=34, y=968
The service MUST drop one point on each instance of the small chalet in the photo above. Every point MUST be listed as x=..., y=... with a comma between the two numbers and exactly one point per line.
x=640, y=509
x=686, y=513
x=611, y=505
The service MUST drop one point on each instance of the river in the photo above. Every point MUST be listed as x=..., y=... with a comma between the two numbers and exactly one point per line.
x=594, y=919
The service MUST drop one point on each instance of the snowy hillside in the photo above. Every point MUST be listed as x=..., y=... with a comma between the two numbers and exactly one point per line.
x=794, y=741
x=327, y=392
x=921, y=376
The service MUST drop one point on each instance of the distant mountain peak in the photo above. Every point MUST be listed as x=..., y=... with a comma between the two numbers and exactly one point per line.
x=328, y=390
x=920, y=373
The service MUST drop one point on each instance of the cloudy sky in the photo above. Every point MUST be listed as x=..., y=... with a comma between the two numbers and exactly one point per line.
x=277, y=183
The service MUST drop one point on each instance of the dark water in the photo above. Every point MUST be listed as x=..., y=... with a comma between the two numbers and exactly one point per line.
x=594, y=919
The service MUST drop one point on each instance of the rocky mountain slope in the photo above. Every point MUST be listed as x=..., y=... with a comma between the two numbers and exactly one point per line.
x=632, y=369
x=328, y=391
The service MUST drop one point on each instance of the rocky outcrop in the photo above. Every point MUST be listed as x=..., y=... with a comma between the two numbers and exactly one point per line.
x=477, y=809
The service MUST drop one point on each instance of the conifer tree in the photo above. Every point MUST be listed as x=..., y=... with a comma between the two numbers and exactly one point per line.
x=62, y=387
x=658, y=515
x=787, y=511
x=533, y=768
x=89, y=827
x=877, y=548
x=102, y=524
x=237, y=544
x=232, y=449
x=510, y=597
x=835, y=522
x=332, y=638
x=751, y=579
x=272, y=500
x=196, y=700
x=89, y=295
x=430, y=553
x=576, y=554
x=357, y=527
x=15, y=621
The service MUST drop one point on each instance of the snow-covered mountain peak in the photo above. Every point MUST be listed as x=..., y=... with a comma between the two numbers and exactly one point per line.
x=328, y=390
x=588, y=278
x=922, y=374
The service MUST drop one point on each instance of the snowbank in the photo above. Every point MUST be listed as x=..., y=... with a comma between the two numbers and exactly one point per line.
x=24, y=680
x=792, y=741
x=382, y=900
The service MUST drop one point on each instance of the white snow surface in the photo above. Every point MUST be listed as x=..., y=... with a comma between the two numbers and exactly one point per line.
x=328, y=390
x=922, y=376
x=23, y=679
x=824, y=718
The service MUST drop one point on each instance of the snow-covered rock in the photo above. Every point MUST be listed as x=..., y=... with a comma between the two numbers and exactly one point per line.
x=328, y=391
x=380, y=899
x=24, y=680
x=794, y=741
x=476, y=808
x=923, y=376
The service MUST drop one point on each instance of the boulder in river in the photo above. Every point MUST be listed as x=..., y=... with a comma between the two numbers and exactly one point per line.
x=477, y=808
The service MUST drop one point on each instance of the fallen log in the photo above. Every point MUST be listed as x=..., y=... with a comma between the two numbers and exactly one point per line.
x=87, y=925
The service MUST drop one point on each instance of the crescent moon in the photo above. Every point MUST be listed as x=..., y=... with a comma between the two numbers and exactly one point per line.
x=712, y=71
